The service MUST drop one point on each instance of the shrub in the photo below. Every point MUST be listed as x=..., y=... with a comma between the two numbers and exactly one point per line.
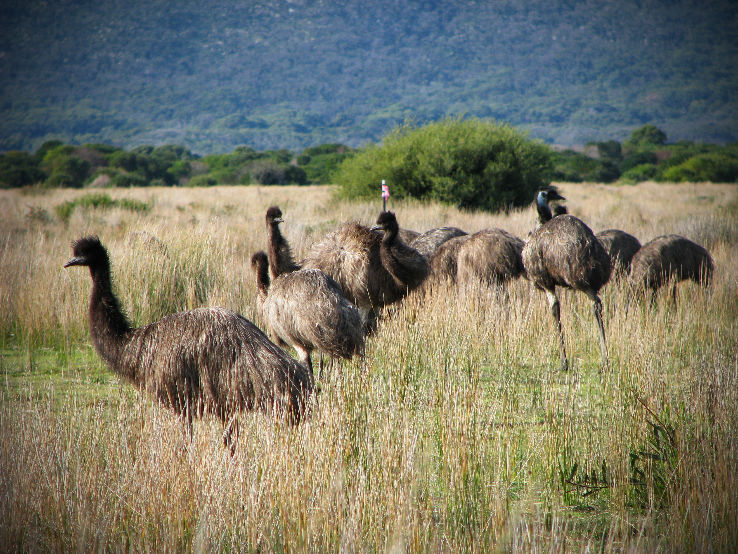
x=637, y=158
x=202, y=181
x=646, y=135
x=320, y=162
x=98, y=200
x=270, y=172
x=64, y=168
x=18, y=169
x=469, y=163
x=714, y=167
x=639, y=173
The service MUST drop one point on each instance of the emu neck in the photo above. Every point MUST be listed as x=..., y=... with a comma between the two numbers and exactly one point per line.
x=544, y=210
x=390, y=235
x=108, y=325
x=280, y=258
x=392, y=253
x=262, y=279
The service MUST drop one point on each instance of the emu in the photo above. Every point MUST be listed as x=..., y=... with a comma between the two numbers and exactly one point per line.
x=490, y=256
x=670, y=258
x=427, y=243
x=443, y=262
x=207, y=360
x=621, y=246
x=355, y=257
x=306, y=309
x=564, y=252
x=407, y=266
x=280, y=255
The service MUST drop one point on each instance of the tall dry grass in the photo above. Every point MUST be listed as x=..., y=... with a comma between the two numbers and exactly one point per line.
x=457, y=432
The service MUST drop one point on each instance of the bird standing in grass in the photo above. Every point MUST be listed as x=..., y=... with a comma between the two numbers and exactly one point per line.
x=564, y=252
x=204, y=360
x=306, y=310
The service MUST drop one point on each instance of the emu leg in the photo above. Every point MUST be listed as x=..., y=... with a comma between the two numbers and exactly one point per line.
x=597, y=310
x=305, y=360
x=553, y=301
x=228, y=434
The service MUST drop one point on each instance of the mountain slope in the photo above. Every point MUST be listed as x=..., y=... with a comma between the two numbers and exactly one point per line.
x=270, y=74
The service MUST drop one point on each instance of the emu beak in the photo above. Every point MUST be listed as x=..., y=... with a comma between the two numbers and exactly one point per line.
x=78, y=260
x=278, y=220
x=553, y=195
x=377, y=228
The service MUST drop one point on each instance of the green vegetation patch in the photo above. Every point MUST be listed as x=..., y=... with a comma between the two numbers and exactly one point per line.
x=472, y=163
x=99, y=200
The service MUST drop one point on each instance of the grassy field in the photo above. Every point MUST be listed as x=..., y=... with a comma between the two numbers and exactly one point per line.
x=457, y=432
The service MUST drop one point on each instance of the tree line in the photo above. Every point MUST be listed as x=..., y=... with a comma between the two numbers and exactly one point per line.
x=469, y=162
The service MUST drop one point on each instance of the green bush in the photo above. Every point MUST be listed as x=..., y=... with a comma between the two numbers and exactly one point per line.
x=19, y=169
x=640, y=173
x=202, y=181
x=646, y=135
x=64, y=168
x=470, y=163
x=98, y=200
x=320, y=162
x=638, y=158
x=575, y=167
x=271, y=172
x=714, y=167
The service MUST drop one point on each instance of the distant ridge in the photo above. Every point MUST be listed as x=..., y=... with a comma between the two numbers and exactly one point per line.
x=289, y=74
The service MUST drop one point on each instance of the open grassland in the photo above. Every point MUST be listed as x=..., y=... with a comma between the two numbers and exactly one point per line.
x=457, y=432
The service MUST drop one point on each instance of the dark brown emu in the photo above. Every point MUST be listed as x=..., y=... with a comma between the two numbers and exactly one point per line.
x=564, y=252
x=204, y=360
x=407, y=266
x=670, y=259
x=372, y=270
x=280, y=255
x=306, y=309
x=621, y=246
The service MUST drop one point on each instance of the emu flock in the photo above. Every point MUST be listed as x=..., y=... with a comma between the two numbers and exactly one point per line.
x=213, y=360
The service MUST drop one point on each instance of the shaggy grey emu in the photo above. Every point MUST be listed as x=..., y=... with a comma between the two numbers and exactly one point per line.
x=670, y=257
x=407, y=235
x=564, y=252
x=621, y=246
x=280, y=255
x=443, y=262
x=353, y=256
x=306, y=309
x=490, y=256
x=205, y=360
x=427, y=243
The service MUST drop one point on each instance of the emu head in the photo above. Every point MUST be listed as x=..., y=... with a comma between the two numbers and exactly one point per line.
x=258, y=260
x=274, y=215
x=542, y=200
x=89, y=251
x=386, y=222
x=546, y=195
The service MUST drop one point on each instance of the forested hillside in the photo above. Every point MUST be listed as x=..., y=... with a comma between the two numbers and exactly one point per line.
x=289, y=74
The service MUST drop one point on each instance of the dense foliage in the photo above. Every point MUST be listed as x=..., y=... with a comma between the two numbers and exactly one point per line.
x=646, y=156
x=273, y=74
x=99, y=165
x=469, y=163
